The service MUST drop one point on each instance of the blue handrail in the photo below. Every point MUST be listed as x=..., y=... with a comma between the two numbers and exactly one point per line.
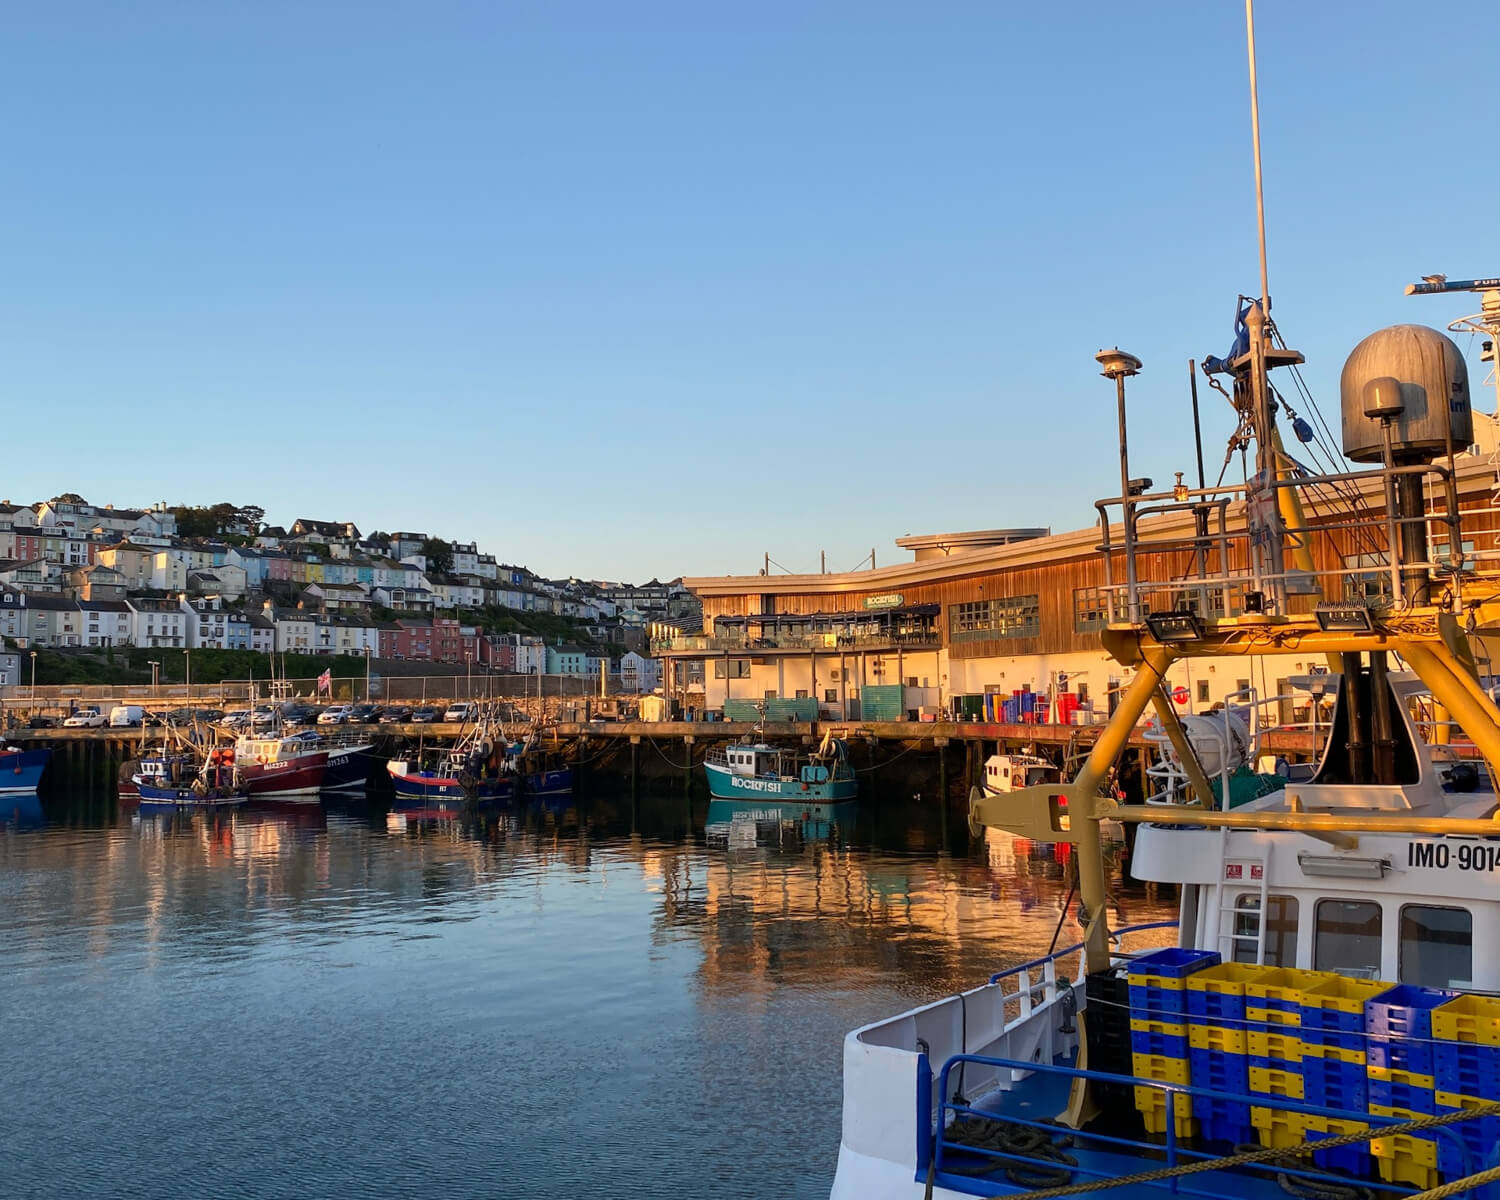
x=1173, y=1149
x=1077, y=946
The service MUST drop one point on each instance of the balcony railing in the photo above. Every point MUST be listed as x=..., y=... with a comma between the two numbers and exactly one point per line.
x=822, y=640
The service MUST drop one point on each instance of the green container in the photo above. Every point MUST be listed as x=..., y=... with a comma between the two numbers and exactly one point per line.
x=883, y=703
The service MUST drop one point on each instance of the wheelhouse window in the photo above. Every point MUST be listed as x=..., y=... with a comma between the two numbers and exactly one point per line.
x=1281, y=930
x=1347, y=939
x=1437, y=946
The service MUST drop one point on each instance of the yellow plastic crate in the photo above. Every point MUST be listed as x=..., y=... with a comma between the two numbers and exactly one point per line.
x=1335, y=1126
x=1474, y=1019
x=1161, y=981
x=1336, y=1053
x=1284, y=1046
x=1342, y=994
x=1164, y=1028
x=1277, y=1128
x=1407, y=1078
x=1159, y=1066
x=1407, y=1170
x=1216, y=1037
x=1227, y=978
x=1285, y=984
x=1270, y=1082
x=1152, y=1105
x=1403, y=1147
x=1257, y=1015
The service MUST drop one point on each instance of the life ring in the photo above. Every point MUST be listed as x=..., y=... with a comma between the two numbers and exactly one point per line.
x=804, y=785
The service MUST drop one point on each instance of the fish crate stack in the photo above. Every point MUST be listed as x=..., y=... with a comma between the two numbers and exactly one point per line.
x=1273, y=1013
x=1218, y=1048
x=1466, y=1064
x=1158, y=1033
x=1400, y=1078
x=1334, y=1065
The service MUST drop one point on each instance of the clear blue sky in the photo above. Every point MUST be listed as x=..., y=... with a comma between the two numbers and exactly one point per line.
x=626, y=290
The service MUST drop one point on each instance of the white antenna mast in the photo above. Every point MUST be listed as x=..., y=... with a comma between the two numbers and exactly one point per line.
x=1260, y=194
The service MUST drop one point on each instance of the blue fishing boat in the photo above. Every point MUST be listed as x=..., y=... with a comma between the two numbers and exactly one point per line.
x=169, y=782
x=21, y=770
x=757, y=771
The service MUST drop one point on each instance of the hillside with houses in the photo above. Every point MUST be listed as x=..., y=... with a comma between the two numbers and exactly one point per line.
x=80, y=576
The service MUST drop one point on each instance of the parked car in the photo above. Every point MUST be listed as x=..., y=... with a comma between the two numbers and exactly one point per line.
x=425, y=715
x=42, y=721
x=395, y=716
x=126, y=716
x=364, y=714
x=236, y=720
x=464, y=710
x=263, y=717
x=336, y=715
x=301, y=714
x=85, y=718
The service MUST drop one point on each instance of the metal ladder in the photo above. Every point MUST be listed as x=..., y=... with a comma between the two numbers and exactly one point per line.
x=1229, y=940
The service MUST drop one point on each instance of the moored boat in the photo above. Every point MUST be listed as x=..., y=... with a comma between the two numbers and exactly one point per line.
x=280, y=767
x=758, y=771
x=21, y=770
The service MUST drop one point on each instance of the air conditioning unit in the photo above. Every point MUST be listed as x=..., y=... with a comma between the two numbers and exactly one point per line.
x=834, y=674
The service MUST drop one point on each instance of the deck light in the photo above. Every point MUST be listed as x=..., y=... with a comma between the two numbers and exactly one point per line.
x=1337, y=866
x=1167, y=627
x=1343, y=618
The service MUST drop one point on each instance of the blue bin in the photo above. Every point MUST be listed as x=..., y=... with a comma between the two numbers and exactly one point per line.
x=1223, y=1120
x=1399, y=1021
x=1468, y=1069
x=1173, y=962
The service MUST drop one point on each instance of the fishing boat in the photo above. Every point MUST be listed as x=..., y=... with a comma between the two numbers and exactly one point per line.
x=349, y=764
x=279, y=766
x=540, y=772
x=473, y=772
x=1326, y=1020
x=754, y=770
x=184, y=782
x=21, y=770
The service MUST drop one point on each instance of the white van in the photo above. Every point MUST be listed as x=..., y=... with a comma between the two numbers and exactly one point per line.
x=125, y=716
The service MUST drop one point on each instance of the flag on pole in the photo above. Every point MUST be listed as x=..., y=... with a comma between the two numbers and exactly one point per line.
x=325, y=682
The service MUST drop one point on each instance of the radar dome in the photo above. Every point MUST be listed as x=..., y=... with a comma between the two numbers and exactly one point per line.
x=1415, y=378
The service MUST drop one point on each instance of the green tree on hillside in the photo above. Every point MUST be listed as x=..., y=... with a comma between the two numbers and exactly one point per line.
x=439, y=555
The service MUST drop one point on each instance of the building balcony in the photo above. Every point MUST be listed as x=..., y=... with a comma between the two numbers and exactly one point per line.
x=812, y=642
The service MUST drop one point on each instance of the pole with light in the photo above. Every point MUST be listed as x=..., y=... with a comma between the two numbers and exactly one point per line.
x=155, y=666
x=367, y=672
x=1116, y=364
x=33, y=680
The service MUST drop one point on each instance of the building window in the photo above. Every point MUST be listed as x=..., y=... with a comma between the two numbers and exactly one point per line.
x=1374, y=579
x=982, y=620
x=1090, y=609
x=1281, y=930
x=1202, y=691
x=1437, y=946
x=830, y=695
x=737, y=668
x=1347, y=938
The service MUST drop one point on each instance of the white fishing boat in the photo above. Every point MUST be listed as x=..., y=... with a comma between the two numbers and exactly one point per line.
x=1328, y=1021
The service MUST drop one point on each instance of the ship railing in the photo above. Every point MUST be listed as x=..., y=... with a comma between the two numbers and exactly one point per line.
x=956, y=1164
x=832, y=639
x=1215, y=556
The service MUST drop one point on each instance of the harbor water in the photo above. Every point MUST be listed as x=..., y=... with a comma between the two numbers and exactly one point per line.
x=595, y=999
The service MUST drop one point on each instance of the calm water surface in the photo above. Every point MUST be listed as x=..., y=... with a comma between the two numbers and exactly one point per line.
x=585, y=1000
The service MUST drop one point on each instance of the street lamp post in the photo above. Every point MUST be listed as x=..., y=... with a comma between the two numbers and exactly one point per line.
x=367, y=672
x=155, y=666
x=33, y=681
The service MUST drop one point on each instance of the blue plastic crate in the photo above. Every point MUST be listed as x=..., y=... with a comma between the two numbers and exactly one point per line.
x=1331, y=1020
x=1415, y=1057
x=1481, y=1137
x=1405, y=1010
x=1344, y=1039
x=1144, y=1041
x=1173, y=962
x=1401, y=1095
x=1153, y=1003
x=1218, y=1071
x=1214, y=1007
x=1352, y=1160
x=1223, y=1120
x=1468, y=1069
x=1331, y=1084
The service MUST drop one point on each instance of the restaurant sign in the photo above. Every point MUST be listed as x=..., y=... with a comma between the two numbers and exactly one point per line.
x=884, y=600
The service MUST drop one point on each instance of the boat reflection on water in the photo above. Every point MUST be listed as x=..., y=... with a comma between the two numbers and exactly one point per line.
x=21, y=810
x=742, y=824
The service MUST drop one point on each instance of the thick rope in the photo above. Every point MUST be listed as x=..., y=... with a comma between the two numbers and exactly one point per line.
x=1276, y=1153
x=1459, y=1185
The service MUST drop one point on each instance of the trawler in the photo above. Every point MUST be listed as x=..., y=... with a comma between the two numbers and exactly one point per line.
x=1327, y=1023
